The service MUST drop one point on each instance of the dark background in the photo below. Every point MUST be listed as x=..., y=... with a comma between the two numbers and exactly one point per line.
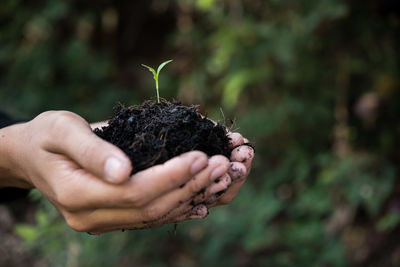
x=313, y=83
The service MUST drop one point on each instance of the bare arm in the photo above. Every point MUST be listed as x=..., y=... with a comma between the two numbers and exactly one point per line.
x=87, y=179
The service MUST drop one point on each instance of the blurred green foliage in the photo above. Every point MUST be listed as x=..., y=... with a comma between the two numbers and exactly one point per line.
x=313, y=83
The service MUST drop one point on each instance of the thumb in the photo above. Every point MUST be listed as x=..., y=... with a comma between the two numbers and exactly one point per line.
x=75, y=139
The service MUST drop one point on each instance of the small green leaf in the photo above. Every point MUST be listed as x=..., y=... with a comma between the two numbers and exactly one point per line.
x=41, y=218
x=150, y=69
x=162, y=66
x=155, y=75
x=27, y=232
x=388, y=222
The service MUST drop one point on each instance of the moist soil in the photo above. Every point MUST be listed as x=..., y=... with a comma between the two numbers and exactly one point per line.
x=153, y=133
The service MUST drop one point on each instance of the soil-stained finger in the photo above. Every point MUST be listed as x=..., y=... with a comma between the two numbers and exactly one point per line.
x=163, y=178
x=229, y=195
x=197, y=212
x=243, y=154
x=222, y=184
x=159, y=208
x=218, y=166
x=141, y=189
x=236, y=139
x=212, y=192
x=237, y=171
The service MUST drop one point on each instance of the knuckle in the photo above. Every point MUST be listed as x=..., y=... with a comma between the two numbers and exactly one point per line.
x=172, y=175
x=57, y=121
x=60, y=118
x=136, y=199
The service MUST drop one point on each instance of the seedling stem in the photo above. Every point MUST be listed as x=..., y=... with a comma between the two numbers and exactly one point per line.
x=156, y=74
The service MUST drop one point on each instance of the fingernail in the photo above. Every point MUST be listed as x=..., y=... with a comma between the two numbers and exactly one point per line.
x=235, y=139
x=242, y=154
x=198, y=165
x=112, y=169
x=218, y=172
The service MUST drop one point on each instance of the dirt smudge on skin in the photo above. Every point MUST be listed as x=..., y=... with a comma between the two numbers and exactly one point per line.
x=235, y=171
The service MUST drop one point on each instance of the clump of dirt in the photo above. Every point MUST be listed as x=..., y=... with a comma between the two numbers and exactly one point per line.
x=152, y=133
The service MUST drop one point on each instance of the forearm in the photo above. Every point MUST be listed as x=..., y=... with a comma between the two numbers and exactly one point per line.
x=11, y=175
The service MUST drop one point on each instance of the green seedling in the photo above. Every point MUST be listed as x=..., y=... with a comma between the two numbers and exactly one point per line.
x=156, y=74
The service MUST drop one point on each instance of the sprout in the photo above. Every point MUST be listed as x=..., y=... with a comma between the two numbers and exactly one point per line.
x=155, y=75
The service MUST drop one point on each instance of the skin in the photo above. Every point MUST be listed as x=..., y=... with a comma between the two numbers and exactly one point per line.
x=88, y=181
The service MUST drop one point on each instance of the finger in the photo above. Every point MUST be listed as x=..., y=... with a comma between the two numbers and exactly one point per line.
x=83, y=221
x=73, y=137
x=243, y=154
x=183, y=208
x=229, y=195
x=197, y=212
x=237, y=171
x=223, y=184
x=238, y=174
x=160, y=207
x=197, y=186
x=220, y=184
x=90, y=222
x=171, y=175
x=209, y=197
x=214, y=192
x=142, y=188
x=236, y=139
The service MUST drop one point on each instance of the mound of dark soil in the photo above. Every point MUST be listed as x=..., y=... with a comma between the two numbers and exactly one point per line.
x=152, y=133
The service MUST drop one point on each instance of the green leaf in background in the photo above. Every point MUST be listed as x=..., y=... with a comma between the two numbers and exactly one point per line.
x=314, y=85
x=388, y=222
x=27, y=232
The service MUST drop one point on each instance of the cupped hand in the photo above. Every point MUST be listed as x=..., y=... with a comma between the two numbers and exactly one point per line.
x=87, y=179
x=222, y=191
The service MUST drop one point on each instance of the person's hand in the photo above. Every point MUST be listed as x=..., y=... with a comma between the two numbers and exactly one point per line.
x=241, y=161
x=87, y=179
x=222, y=191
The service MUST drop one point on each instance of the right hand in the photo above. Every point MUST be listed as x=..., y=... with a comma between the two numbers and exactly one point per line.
x=87, y=179
x=223, y=191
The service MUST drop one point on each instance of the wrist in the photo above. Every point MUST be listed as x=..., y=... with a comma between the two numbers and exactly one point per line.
x=11, y=171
